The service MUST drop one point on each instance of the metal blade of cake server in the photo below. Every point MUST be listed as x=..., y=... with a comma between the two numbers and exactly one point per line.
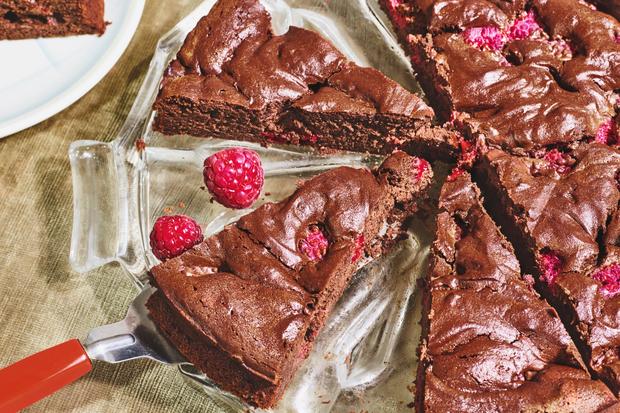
x=134, y=337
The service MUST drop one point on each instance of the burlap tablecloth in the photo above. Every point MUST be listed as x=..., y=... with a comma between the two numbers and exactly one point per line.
x=42, y=302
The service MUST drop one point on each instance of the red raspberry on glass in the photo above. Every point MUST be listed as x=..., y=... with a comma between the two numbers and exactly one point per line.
x=172, y=235
x=234, y=177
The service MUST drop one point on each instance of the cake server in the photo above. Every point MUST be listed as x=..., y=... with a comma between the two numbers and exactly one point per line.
x=43, y=373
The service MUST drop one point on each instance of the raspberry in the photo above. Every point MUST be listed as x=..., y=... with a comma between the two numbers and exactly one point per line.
x=609, y=276
x=359, y=247
x=420, y=166
x=607, y=133
x=174, y=234
x=488, y=37
x=558, y=160
x=469, y=152
x=398, y=18
x=310, y=138
x=562, y=48
x=315, y=244
x=416, y=59
x=522, y=28
x=551, y=265
x=456, y=172
x=467, y=157
x=234, y=177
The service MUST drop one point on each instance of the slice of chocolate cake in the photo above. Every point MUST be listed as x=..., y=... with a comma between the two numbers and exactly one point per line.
x=235, y=79
x=490, y=342
x=246, y=304
x=27, y=19
x=524, y=74
x=562, y=214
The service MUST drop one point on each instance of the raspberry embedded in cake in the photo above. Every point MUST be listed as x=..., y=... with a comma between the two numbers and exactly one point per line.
x=455, y=173
x=523, y=27
x=489, y=37
x=315, y=244
x=607, y=133
x=399, y=19
x=420, y=168
x=550, y=265
x=562, y=48
x=359, y=248
x=560, y=161
x=609, y=276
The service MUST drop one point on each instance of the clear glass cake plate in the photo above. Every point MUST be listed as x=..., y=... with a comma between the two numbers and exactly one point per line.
x=364, y=359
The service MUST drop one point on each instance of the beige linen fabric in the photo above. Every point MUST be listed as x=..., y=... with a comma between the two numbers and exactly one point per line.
x=42, y=302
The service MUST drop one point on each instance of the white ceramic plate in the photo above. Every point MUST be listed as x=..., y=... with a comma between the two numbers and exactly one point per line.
x=41, y=77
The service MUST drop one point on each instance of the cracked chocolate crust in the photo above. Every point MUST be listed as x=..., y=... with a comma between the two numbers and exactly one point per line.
x=565, y=226
x=234, y=79
x=24, y=19
x=250, y=300
x=543, y=73
x=490, y=342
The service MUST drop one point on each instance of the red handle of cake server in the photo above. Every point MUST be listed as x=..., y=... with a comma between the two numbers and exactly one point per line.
x=42, y=374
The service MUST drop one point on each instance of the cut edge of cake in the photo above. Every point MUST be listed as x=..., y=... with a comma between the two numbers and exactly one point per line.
x=28, y=20
x=263, y=88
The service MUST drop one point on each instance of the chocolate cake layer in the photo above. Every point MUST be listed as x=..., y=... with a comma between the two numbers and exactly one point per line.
x=25, y=19
x=246, y=304
x=490, y=342
x=562, y=214
x=235, y=79
x=525, y=75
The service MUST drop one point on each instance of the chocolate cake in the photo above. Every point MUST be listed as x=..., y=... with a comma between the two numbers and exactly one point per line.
x=235, y=79
x=562, y=214
x=26, y=19
x=490, y=342
x=246, y=304
x=525, y=75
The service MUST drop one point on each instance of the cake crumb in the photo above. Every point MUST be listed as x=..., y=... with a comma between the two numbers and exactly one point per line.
x=140, y=145
x=181, y=204
x=168, y=210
